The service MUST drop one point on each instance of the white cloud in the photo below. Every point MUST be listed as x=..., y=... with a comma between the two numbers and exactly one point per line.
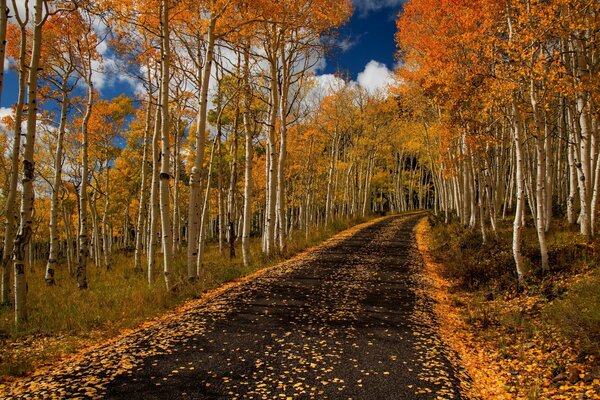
x=347, y=43
x=375, y=77
x=363, y=7
x=319, y=65
x=108, y=73
x=329, y=83
x=102, y=48
x=324, y=85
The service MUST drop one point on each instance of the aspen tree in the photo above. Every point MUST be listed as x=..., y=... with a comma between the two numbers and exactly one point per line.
x=139, y=232
x=23, y=237
x=248, y=135
x=165, y=173
x=195, y=174
x=153, y=232
x=57, y=181
x=10, y=203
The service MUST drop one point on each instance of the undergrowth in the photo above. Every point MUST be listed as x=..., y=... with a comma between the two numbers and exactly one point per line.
x=557, y=313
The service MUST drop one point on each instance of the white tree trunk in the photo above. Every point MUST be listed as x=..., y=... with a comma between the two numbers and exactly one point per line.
x=106, y=232
x=247, y=164
x=272, y=153
x=23, y=238
x=56, y=185
x=165, y=173
x=231, y=196
x=540, y=192
x=139, y=231
x=154, y=202
x=10, y=230
x=520, y=178
x=194, y=205
x=201, y=237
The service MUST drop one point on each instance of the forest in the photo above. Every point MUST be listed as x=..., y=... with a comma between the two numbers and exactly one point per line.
x=234, y=154
x=230, y=138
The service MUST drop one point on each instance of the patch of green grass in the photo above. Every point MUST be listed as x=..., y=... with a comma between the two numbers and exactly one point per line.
x=577, y=315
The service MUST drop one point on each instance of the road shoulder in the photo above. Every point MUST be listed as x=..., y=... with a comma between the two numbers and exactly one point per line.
x=471, y=354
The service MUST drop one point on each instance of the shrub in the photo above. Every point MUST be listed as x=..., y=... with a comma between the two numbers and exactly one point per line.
x=577, y=315
x=469, y=262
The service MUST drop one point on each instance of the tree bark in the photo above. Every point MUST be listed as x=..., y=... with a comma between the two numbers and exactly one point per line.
x=139, y=231
x=106, y=231
x=56, y=184
x=153, y=233
x=10, y=205
x=165, y=174
x=23, y=238
x=520, y=178
x=195, y=175
x=247, y=163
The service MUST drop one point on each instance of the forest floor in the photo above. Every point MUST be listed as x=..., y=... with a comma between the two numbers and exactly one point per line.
x=350, y=318
x=539, y=343
x=64, y=319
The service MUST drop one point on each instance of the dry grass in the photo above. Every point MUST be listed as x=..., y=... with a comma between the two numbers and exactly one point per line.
x=64, y=319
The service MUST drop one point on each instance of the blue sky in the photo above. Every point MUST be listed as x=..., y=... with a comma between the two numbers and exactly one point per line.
x=365, y=52
x=369, y=35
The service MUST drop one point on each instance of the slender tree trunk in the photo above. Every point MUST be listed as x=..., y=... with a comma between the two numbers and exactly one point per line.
x=10, y=230
x=165, y=173
x=139, y=231
x=220, y=207
x=176, y=215
x=69, y=237
x=24, y=234
x=272, y=154
x=281, y=187
x=95, y=236
x=201, y=237
x=106, y=232
x=540, y=192
x=231, y=211
x=153, y=232
x=195, y=175
x=584, y=167
x=56, y=185
x=332, y=161
x=247, y=164
x=520, y=178
x=572, y=182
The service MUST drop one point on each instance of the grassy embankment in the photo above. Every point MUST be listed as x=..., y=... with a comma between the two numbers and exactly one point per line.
x=540, y=342
x=64, y=319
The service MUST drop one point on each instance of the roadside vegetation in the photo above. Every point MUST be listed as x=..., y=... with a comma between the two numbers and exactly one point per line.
x=541, y=340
